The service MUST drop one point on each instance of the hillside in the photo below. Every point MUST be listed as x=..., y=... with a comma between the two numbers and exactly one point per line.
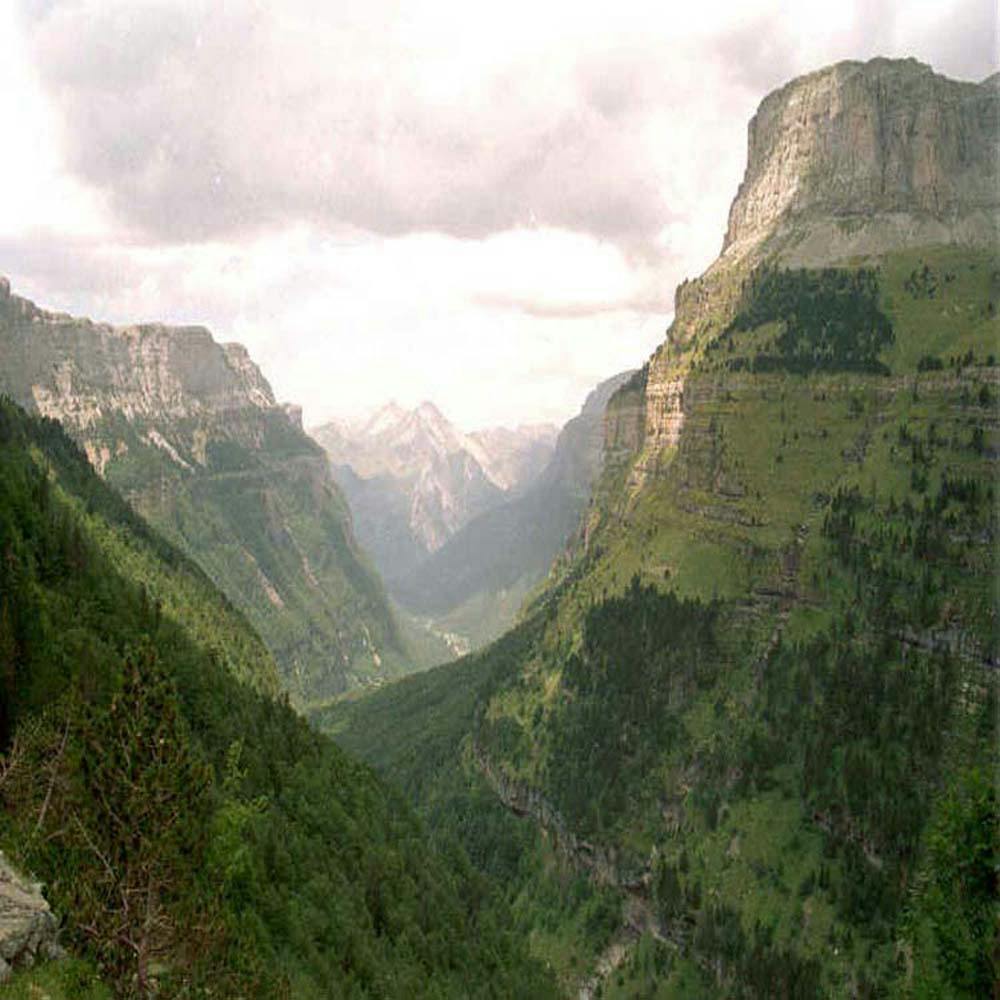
x=189, y=432
x=759, y=705
x=194, y=836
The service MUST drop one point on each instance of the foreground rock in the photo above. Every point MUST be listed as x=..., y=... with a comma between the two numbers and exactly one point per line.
x=28, y=928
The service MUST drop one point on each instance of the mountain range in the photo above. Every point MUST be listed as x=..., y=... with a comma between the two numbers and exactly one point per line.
x=413, y=479
x=462, y=527
x=742, y=739
x=509, y=548
x=194, y=835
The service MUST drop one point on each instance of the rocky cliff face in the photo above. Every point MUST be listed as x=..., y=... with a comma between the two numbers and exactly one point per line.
x=858, y=141
x=856, y=159
x=27, y=926
x=79, y=372
x=190, y=432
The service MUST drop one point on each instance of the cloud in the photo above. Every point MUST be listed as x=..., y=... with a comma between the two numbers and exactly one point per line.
x=203, y=121
x=343, y=324
x=487, y=205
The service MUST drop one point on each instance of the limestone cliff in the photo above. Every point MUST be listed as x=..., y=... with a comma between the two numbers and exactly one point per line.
x=854, y=160
x=414, y=480
x=879, y=151
x=189, y=431
x=78, y=371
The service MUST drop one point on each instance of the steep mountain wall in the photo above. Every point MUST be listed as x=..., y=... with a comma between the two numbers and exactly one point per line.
x=854, y=160
x=190, y=432
x=857, y=141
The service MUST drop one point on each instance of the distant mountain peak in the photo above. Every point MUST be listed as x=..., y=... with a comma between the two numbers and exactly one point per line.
x=414, y=478
x=384, y=418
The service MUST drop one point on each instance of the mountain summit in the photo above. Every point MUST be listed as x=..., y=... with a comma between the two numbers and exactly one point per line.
x=861, y=157
x=852, y=161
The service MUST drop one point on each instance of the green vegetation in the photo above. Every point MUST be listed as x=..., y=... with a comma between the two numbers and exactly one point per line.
x=418, y=732
x=195, y=835
x=760, y=706
x=274, y=536
x=68, y=979
x=223, y=474
x=642, y=655
x=829, y=320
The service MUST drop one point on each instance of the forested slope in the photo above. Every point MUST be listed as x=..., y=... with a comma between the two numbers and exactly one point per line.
x=194, y=835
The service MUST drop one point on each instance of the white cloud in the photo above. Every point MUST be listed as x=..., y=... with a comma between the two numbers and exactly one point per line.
x=487, y=205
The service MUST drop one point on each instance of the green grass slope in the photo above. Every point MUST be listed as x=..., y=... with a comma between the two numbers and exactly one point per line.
x=761, y=704
x=195, y=836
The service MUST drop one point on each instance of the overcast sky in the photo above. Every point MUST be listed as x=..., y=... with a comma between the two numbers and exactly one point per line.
x=484, y=204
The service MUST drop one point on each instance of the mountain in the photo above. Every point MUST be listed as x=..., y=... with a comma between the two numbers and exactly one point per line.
x=511, y=547
x=189, y=431
x=753, y=719
x=516, y=457
x=192, y=834
x=865, y=157
x=413, y=479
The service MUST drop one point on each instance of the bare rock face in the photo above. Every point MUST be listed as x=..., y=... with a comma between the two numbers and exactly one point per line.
x=515, y=457
x=79, y=372
x=855, y=159
x=27, y=926
x=624, y=418
x=858, y=141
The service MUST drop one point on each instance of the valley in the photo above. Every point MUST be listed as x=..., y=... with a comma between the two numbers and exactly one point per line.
x=696, y=696
x=463, y=527
x=746, y=702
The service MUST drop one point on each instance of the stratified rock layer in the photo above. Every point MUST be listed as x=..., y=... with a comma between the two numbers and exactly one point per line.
x=856, y=141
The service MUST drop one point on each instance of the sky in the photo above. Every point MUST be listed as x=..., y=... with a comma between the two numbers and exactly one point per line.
x=486, y=205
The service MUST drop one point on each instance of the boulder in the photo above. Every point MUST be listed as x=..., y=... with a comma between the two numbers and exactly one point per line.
x=28, y=928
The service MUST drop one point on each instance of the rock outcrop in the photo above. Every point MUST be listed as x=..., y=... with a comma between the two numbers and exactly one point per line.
x=856, y=159
x=28, y=928
x=878, y=151
x=79, y=372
